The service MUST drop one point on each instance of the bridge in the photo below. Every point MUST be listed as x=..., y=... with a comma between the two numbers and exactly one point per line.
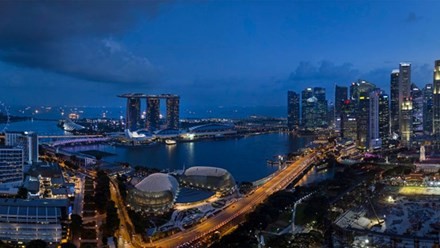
x=235, y=211
x=60, y=140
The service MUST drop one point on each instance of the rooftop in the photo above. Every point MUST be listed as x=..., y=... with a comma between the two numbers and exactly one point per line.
x=158, y=182
x=205, y=171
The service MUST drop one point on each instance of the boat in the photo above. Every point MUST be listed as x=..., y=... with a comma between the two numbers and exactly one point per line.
x=170, y=142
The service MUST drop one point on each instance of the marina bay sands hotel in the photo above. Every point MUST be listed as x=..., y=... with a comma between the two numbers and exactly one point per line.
x=152, y=119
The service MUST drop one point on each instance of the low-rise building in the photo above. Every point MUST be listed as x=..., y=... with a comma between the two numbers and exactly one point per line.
x=24, y=220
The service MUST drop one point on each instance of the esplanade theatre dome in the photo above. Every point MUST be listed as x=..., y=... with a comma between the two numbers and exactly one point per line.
x=154, y=194
x=210, y=178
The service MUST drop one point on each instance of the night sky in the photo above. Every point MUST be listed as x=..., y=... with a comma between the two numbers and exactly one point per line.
x=230, y=53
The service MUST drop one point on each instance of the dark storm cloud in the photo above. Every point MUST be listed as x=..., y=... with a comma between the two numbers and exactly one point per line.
x=72, y=38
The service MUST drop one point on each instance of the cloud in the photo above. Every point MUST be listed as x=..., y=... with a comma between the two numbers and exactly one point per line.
x=412, y=17
x=72, y=38
x=325, y=72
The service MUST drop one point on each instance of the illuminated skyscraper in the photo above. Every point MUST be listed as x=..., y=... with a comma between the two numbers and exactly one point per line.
x=292, y=110
x=436, y=100
x=152, y=118
x=405, y=104
x=340, y=97
x=384, y=117
x=308, y=103
x=362, y=116
x=374, y=139
x=417, y=119
x=153, y=113
x=348, y=120
x=394, y=106
x=133, y=117
x=173, y=112
x=427, y=109
x=321, y=119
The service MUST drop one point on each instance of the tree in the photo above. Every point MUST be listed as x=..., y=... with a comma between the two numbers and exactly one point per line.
x=112, y=219
x=22, y=193
x=68, y=245
x=37, y=243
x=76, y=225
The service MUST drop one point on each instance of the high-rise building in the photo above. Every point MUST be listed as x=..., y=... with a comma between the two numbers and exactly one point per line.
x=173, y=112
x=152, y=118
x=340, y=97
x=436, y=100
x=374, y=139
x=308, y=103
x=427, y=109
x=292, y=110
x=394, y=106
x=384, y=117
x=417, y=118
x=348, y=120
x=27, y=141
x=405, y=104
x=133, y=117
x=11, y=165
x=153, y=113
x=363, y=117
x=314, y=108
x=321, y=107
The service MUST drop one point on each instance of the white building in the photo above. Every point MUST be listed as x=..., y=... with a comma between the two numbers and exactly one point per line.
x=11, y=165
x=28, y=141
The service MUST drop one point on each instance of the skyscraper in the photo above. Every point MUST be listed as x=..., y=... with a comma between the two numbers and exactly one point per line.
x=153, y=113
x=321, y=107
x=405, y=104
x=308, y=102
x=292, y=110
x=348, y=120
x=427, y=109
x=340, y=97
x=394, y=106
x=133, y=113
x=417, y=118
x=314, y=108
x=173, y=112
x=384, y=117
x=436, y=100
x=363, y=117
x=374, y=139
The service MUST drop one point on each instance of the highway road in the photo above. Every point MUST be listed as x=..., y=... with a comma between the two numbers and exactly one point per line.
x=279, y=181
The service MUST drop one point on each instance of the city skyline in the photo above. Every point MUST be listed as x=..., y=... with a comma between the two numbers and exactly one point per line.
x=260, y=50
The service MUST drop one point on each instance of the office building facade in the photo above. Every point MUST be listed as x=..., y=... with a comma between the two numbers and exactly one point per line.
x=340, y=96
x=292, y=110
x=405, y=105
x=394, y=101
x=348, y=120
x=436, y=100
x=384, y=118
x=11, y=165
x=427, y=108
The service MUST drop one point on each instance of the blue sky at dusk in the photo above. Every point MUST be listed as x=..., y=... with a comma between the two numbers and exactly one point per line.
x=230, y=53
